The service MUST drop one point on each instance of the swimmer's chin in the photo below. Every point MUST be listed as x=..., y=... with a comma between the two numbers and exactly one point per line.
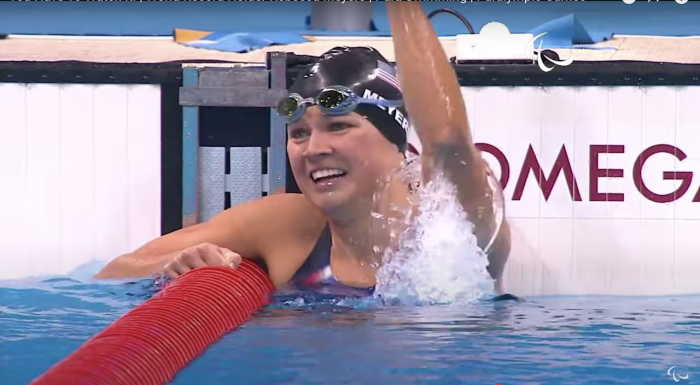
x=333, y=204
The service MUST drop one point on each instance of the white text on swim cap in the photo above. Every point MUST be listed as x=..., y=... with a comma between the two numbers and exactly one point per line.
x=393, y=112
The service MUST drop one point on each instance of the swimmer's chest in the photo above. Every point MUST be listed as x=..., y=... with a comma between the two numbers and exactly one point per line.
x=284, y=258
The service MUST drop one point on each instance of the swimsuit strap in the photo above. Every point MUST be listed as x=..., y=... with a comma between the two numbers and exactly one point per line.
x=319, y=257
x=498, y=208
x=315, y=274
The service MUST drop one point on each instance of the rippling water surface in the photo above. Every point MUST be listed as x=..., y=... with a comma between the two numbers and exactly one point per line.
x=544, y=340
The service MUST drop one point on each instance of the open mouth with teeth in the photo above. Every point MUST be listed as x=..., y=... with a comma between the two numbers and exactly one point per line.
x=327, y=175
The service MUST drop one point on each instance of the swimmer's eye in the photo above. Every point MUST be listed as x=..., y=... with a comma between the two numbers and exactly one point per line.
x=298, y=133
x=338, y=126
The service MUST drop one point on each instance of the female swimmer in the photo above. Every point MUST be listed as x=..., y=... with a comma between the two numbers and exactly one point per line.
x=348, y=118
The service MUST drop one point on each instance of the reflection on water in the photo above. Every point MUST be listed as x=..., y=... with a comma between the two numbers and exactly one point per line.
x=546, y=340
x=322, y=340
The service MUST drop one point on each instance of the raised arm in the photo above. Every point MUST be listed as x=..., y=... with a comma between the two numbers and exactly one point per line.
x=434, y=102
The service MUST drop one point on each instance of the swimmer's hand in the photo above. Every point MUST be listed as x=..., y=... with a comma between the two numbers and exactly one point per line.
x=204, y=254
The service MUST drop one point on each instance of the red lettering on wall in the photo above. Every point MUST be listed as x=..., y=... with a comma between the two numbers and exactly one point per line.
x=595, y=173
x=561, y=164
x=685, y=176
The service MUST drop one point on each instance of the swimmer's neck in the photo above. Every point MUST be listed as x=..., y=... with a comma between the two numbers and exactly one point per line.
x=353, y=239
x=364, y=238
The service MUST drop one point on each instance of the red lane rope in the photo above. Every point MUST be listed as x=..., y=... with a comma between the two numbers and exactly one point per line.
x=150, y=344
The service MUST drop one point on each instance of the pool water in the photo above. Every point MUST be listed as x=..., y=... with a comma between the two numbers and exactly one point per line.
x=544, y=340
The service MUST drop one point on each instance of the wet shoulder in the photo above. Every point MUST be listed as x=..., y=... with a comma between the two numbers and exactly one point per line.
x=292, y=214
x=292, y=227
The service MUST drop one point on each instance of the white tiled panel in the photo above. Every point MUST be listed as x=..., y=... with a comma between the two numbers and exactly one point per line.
x=80, y=166
x=626, y=121
x=589, y=115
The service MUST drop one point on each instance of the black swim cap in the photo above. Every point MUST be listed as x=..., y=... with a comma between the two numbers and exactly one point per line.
x=369, y=75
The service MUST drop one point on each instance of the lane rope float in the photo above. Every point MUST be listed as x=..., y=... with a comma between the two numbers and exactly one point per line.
x=151, y=343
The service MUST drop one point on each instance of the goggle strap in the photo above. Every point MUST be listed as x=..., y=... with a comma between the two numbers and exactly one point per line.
x=381, y=102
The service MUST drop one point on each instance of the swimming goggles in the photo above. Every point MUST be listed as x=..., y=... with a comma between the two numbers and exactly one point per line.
x=333, y=100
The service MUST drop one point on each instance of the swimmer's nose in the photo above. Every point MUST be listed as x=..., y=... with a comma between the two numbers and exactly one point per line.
x=317, y=146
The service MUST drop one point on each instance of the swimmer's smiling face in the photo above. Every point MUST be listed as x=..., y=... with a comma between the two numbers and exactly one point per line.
x=338, y=161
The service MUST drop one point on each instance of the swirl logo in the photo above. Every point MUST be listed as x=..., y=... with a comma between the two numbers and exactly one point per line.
x=536, y=54
x=676, y=377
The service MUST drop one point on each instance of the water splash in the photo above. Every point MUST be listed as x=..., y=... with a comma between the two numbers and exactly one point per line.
x=438, y=260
